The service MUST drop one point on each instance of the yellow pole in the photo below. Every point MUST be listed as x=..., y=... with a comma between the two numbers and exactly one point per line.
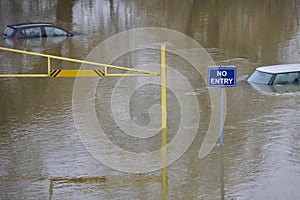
x=164, y=121
x=51, y=190
x=105, y=71
x=49, y=66
x=23, y=75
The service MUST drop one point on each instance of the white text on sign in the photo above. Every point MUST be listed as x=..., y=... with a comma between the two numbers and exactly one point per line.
x=222, y=81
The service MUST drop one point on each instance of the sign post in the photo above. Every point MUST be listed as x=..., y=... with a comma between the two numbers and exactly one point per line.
x=222, y=76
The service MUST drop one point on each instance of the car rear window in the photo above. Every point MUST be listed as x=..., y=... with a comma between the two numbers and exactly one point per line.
x=8, y=31
x=260, y=77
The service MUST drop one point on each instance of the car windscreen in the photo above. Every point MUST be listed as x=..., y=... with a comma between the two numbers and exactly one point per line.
x=8, y=31
x=260, y=77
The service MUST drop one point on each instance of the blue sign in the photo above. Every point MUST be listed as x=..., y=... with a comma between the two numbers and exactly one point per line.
x=222, y=76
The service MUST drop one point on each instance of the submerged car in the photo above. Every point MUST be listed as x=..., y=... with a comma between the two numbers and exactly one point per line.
x=34, y=30
x=276, y=74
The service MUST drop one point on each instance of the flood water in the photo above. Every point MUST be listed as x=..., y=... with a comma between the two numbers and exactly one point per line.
x=42, y=155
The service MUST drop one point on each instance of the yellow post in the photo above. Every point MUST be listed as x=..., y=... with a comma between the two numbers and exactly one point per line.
x=105, y=71
x=163, y=75
x=49, y=66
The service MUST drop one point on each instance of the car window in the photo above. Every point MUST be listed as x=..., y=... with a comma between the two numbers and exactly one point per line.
x=53, y=31
x=260, y=77
x=32, y=32
x=292, y=77
x=8, y=31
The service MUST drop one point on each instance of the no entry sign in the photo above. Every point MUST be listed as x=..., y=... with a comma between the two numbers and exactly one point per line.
x=222, y=76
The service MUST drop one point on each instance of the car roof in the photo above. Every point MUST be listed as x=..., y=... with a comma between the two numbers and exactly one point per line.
x=24, y=25
x=278, y=69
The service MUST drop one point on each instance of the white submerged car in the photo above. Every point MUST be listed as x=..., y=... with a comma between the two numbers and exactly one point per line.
x=276, y=75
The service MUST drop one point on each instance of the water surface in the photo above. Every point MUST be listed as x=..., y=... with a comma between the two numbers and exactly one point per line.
x=42, y=157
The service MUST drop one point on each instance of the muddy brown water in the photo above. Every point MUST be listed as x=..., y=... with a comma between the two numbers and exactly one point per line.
x=42, y=156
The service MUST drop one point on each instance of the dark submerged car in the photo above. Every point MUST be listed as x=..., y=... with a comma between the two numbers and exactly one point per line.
x=34, y=30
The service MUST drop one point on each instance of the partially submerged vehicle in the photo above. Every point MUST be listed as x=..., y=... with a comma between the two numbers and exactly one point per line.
x=34, y=30
x=283, y=78
x=276, y=74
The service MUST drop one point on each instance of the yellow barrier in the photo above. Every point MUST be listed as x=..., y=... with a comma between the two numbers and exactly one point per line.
x=104, y=72
x=75, y=73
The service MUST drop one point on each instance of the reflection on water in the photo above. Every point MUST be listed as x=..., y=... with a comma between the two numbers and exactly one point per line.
x=42, y=43
x=262, y=142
